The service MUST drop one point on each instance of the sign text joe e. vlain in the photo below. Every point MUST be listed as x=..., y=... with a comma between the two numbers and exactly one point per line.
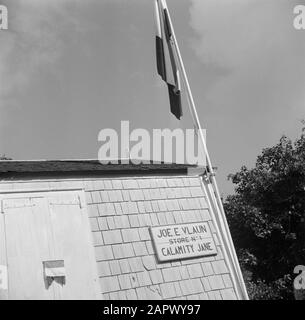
x=183, y=241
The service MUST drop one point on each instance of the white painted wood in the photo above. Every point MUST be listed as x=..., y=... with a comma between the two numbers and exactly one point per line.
x=43, y=226
x=27, y=247
x=3, y=261
x=73, y=244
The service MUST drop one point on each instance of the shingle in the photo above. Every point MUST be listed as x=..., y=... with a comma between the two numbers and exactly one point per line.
x=149, y=262
x=103, y=253
x=143, y=278
x=96, y=198
x=177, y=217
x=168, y=290
x=154, y=219
x=104, y=196
x=227, y=280
x=131, y=294
x=103, y=268
x=109, y=284
x=97, y=238
x=207, y=268
x=136, y=264
x=214, y=295
x=87, y=194
x=115, y=195
x=125, y=195
x=161, y=218
x=112, y=237
x=136, y=195
x=148, y=207
x=108, y=184
x=155, y=206
x=114, y=295
x=98, y=184
x=206, y=284
x=123, y=250
x=196, y=191
x=117, y=184
x=144, y=183
x=106, y=209
x=124, y=281
x=118, y=251
x=219, y=267
x=121, y=222
x=204, y=296
x=216, y=282
x=161, y=183
x=146, y=194
x=144, y=234
x=193, y=297
x=205, y=214
x=163, y=194
x=156, y=276
x=130, y=235
x=94, y=224
x=178, y=289
x=228, y=294
x=171, y=274
x=171, y=183
x=118, y=209
x=194, y=181
x=92, y=210
x=140, y=248
x=124, y=265
x=141, y=207
x=110, y=222
x=130, y=184
x=149, y=247
x=195, y=270
x=114, y=267
x=133, y=221
x=185, y=192
x=162, y=205
x=169, y=218
x=132, y=207
x=102, y=222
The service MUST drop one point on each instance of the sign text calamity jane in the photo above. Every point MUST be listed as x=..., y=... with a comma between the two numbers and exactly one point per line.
x=183, y=241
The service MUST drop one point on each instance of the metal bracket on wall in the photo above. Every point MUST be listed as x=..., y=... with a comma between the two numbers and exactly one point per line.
x=54, y=270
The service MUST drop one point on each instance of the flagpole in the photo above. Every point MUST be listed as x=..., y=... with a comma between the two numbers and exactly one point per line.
x=209, y=163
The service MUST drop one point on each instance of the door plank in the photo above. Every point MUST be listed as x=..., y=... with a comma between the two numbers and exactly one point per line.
x=3, y=261
x=72, y=244
x=28, y=245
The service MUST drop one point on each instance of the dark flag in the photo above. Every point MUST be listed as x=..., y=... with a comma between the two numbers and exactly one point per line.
x=166, y=59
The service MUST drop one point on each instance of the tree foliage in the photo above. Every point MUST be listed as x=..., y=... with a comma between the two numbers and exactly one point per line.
x=267, y=218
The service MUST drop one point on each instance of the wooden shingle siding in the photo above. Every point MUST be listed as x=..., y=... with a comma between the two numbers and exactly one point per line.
x=121, y=210
x=127, y=208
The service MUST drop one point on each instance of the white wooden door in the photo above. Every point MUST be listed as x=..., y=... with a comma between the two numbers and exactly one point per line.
x=43, y=227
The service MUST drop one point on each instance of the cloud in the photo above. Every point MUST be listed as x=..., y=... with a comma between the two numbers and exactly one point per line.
x=38, y=33
x=255, y=47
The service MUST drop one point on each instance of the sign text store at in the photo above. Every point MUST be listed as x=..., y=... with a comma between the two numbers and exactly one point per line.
x=183, y=241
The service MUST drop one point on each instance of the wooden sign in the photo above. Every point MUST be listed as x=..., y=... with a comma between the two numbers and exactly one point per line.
x=183, y=241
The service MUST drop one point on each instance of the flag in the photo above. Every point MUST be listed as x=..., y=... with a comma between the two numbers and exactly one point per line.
x=166, y=58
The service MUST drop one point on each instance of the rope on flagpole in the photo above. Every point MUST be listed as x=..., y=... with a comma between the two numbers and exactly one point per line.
x=196, y=120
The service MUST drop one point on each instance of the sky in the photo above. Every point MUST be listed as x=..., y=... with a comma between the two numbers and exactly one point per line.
x=69, y=68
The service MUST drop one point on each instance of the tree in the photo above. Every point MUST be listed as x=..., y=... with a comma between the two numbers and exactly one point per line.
x=267, y=218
